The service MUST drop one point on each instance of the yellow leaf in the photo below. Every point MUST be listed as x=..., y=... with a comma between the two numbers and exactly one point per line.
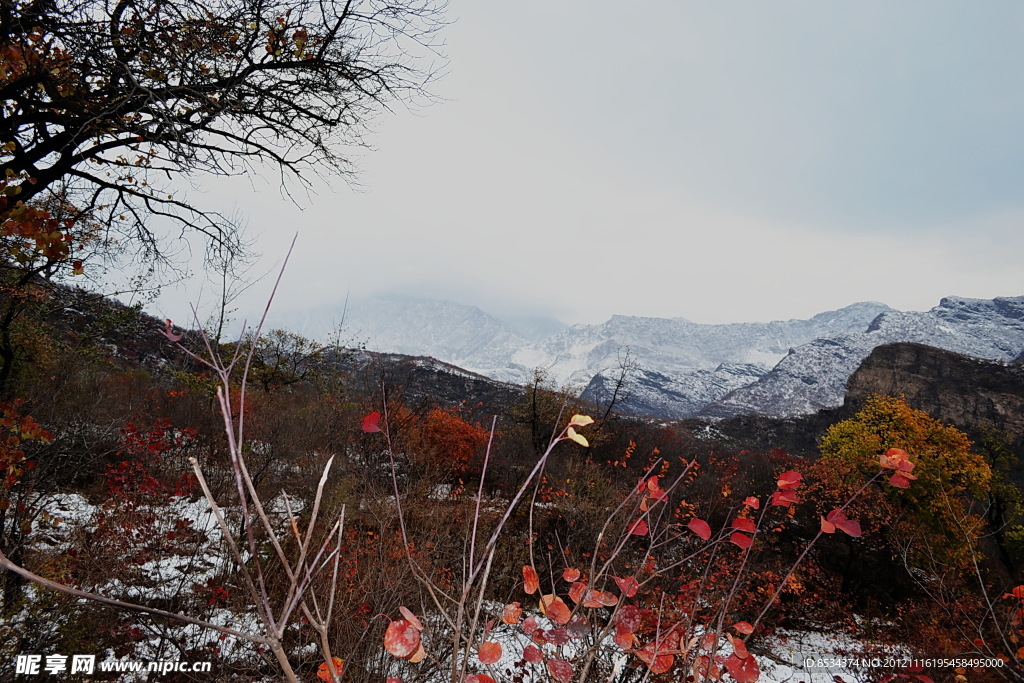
x=581, y=421
x=578, y=438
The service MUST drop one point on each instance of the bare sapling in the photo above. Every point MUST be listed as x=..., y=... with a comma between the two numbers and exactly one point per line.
x=310, y=557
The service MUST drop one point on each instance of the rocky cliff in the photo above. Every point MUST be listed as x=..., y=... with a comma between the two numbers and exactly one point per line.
x=984, y=398
x=969, y=392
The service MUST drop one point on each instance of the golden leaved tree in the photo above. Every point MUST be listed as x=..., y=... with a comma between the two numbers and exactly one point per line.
x=934, y=518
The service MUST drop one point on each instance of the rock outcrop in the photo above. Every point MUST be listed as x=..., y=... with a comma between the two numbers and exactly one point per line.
x=969, y=392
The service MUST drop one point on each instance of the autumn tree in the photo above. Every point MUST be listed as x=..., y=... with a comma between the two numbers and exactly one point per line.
x=105, y=104
x=934, y=513
x=283, y=359
x=451, y=441
x=113, y=97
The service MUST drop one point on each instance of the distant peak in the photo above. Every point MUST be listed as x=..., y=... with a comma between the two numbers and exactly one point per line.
x=1005, y=306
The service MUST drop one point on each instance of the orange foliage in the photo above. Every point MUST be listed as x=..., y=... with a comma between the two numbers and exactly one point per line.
x=324, y=672
x=15, y=428
x=452, y=441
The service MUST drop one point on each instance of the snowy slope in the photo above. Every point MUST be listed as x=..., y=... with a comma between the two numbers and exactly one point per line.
x=477, y=341
x=455, y=333
x=646, y=392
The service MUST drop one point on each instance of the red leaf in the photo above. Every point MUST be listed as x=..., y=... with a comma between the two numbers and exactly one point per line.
x=752, y=502
x=590, y=599
x=532, y=654
x=530, y=625
x=744, y=524
x=639, y=528
x=827, y=526
x=577, y=591
x=489, y=652
x=531, y=582
x=557, y=636
x=411, y=618
x=393, y=679
x=789, y=481
x=901, y=480
x=743, y=627
x=655, y=490
x=785, y=498
x=370, y=422
x=600, y=599
x=700, y=527
x=849, y=526
x=571, y=574
x=554, y=609
x=742, y=540
x=629, y=618
x=561, y=670
x=325, y=674
x=168, y=331
x=739, y=648
x=479, y=678
x=629, y=585
x=895, y=459
x=624, y=639
x=510, y=615
x=707, y=670
x=651, y=656
x=743, y=669
x=401, y=638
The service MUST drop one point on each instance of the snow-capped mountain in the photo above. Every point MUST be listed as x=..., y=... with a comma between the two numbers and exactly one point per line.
x=813, y=376
x=455, y=333
x=475, y=340
x=676, y=346
x=680, y=368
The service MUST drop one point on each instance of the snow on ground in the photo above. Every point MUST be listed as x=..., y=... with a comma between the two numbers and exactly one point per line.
x=795, y=656
x=814, y=657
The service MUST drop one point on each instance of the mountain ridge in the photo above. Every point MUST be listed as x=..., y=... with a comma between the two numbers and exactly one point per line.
x=678, y=368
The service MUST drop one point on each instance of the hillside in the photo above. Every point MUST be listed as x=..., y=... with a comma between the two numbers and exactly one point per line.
x=111, y=504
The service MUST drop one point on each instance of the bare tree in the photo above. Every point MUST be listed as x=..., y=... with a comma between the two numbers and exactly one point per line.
x=111, y=99
x=104, y=103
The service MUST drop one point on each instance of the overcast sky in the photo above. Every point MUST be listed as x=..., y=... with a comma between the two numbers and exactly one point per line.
x=721, y=162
